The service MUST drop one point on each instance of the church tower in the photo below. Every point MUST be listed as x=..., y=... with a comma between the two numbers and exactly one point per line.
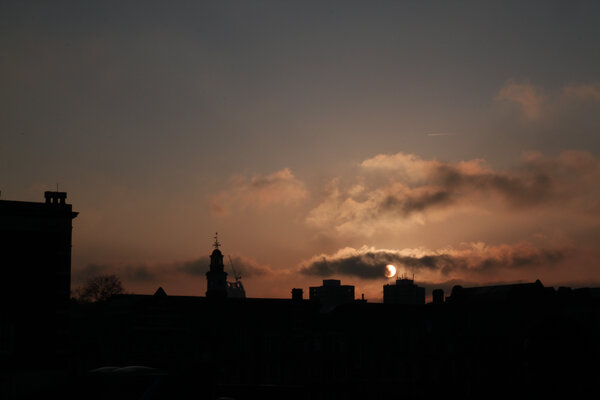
x=216, y=277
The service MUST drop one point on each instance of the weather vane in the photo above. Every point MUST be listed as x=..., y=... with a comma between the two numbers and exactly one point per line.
x=217, y=244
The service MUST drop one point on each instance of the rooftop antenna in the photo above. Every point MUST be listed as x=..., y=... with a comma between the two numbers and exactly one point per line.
x=216, y=244
x=56, y=187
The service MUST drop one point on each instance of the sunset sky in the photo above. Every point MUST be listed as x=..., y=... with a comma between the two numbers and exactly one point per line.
x=459, y=141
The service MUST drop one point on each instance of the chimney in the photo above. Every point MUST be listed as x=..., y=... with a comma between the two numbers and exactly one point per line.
x=297, y=294
x=438, y=296
x=55, y=197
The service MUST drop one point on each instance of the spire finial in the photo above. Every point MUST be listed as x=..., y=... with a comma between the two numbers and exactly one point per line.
x=217, y=244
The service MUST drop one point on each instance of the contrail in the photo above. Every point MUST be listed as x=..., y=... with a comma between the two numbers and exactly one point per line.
x=440, y=134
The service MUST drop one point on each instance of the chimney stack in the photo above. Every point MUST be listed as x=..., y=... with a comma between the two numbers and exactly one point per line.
x=297, y=294
x=55, y=197
x=438, y=296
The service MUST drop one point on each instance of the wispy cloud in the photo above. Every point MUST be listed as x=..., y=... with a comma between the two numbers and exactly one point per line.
x=528, y=97
x=128, y=272
x=134, y=274
x=536, y=104
x=583, y=91
x=259, y=191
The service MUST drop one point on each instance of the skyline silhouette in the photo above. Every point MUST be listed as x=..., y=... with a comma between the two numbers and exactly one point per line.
x=494, y=341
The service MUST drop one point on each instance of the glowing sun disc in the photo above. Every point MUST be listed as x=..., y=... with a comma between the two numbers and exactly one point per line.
x=390, y=270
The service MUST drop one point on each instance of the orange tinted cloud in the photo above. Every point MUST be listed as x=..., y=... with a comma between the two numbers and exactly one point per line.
x=529, y=98
x=583, y=91
x=259, y=191
x=407, y=189
x=536, y=104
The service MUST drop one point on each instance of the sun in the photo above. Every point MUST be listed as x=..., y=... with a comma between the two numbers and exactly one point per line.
x=390, y=270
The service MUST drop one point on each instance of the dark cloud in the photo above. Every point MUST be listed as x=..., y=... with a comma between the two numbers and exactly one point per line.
x=517, y=189
x=371, y=264
x=244, y=266
x=158, y=272
x=407, y=205
x=139, y=273
x=249, y=268
x=194, y=267
x=90, y=270
x=448, y=184
x=135, y=273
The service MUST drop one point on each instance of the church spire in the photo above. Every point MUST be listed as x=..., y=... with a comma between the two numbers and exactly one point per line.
x=216, y=244
x=216, y=277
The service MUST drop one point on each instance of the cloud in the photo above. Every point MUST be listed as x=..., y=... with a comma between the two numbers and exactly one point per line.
x=582, y=91
x=259, y=191
x=137, y=273
x=160, y=272
x=537, y=104
x=244, y=266
x=407, y=163
x=197, y=267
x=403, y=188
x=249, y=268
x=416, y=200
x=529, y=98
x=479, y=258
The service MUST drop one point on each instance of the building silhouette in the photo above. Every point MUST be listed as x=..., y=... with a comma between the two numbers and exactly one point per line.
x=35, y=254
x=296, y=349
x=521, y=340
x=404, y=291
x=35, y=260
x=519, y=292
x=332, y=293
x=297, y=294
x=216, y=277
x=437, y=296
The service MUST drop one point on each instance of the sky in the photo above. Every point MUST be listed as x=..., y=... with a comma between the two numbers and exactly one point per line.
x=459, y=141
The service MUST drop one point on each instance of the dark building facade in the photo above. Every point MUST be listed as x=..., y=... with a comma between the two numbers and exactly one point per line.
x=35, y=262
x=295, y=349
x=35, y=254
x=519, y=292
x=332, y=293
x=404, y=291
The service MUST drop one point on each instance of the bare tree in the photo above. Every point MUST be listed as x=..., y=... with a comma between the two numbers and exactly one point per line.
x=100, y=287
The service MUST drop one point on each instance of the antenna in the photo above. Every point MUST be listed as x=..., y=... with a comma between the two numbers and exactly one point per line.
x=216, y=244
